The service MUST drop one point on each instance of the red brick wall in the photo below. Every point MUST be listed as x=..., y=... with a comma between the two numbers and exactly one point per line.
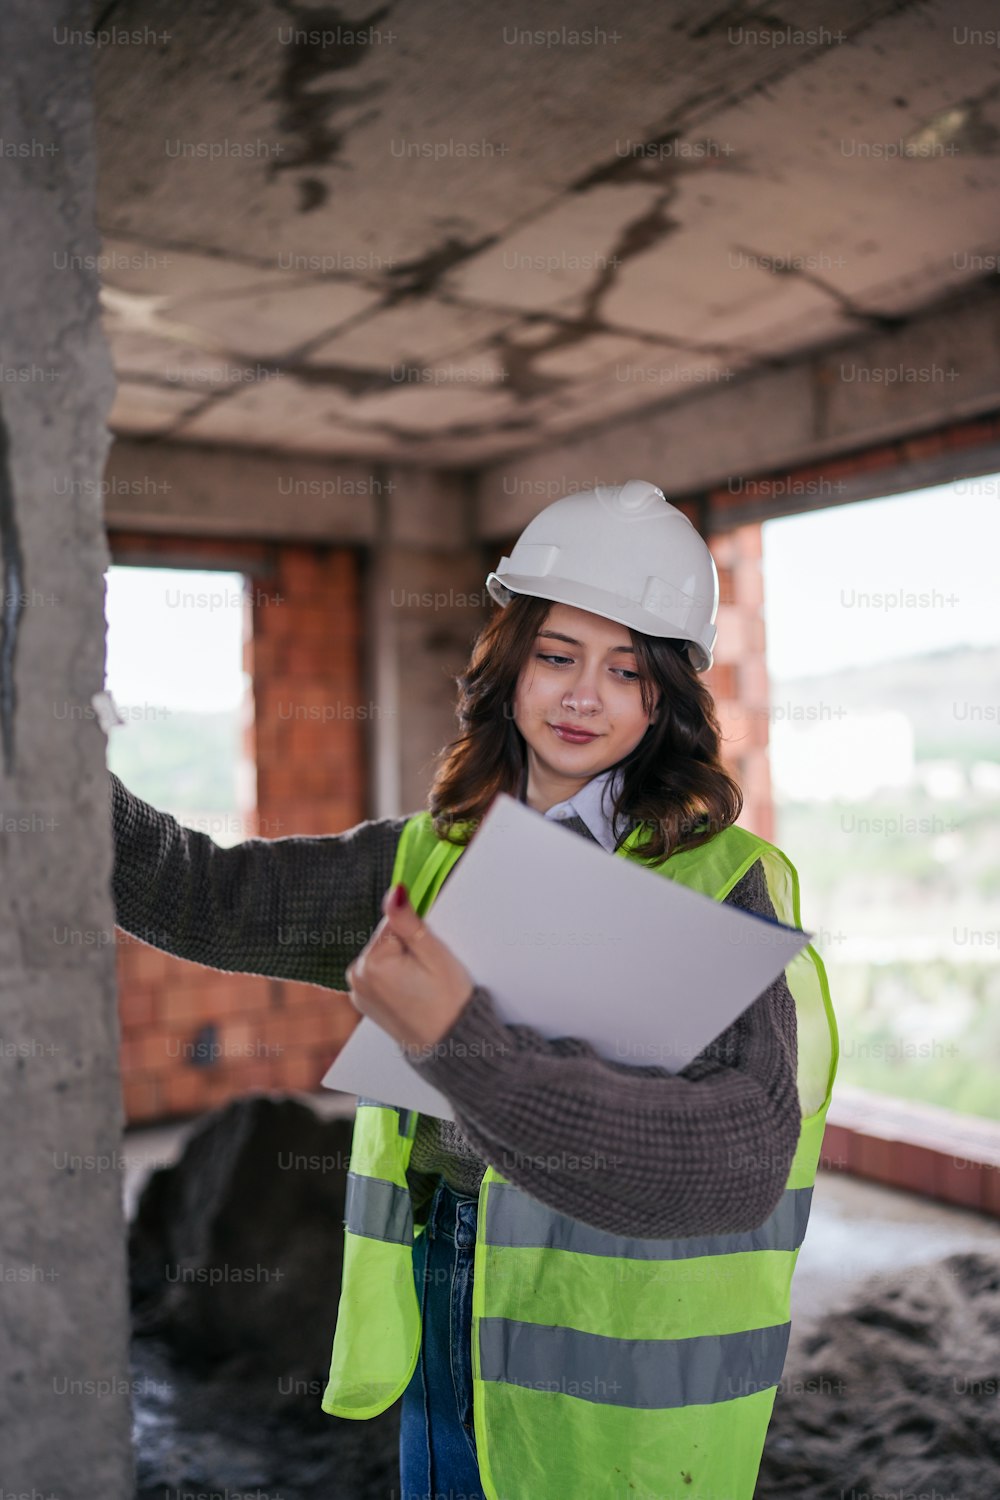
x=738, y=677
x=309, y=720
x=309, y=745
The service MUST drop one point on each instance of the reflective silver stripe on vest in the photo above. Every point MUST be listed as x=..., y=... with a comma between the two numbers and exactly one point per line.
x=379, y=1210
x=647, y=1373
x=515, y=1219
x=405, y=1115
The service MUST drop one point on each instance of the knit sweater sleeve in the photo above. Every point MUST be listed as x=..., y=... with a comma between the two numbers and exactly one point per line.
x=633, y=1150
x=289, y=908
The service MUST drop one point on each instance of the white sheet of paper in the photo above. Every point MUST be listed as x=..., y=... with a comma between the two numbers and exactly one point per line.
x=575, y=942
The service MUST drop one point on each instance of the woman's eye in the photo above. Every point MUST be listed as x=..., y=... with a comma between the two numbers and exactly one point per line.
x=626, y=675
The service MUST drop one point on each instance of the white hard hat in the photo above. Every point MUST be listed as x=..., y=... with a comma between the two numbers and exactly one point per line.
x=624, y=552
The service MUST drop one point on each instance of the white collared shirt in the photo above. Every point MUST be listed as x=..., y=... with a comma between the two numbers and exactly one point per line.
x=592, y=807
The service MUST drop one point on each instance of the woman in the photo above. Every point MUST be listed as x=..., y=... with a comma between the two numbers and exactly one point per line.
x=581, y=1286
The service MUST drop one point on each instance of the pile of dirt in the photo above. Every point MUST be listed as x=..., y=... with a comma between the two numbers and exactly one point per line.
x=896, y=1395
x=236, y=1254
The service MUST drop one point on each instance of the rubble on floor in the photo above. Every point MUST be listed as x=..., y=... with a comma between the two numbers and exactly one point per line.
x=236, y=1253
x=895, y=1395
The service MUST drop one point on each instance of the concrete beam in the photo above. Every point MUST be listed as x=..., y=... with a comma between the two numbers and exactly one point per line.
x=940, y=367
x=64, y=1407
x=183, y=489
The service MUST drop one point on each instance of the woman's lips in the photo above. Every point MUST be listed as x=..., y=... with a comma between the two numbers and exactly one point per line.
x=573, y=737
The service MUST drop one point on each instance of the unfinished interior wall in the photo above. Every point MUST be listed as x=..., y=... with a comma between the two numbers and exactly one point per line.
x=192, y=1037
x=350, y=652
x=64, y=1407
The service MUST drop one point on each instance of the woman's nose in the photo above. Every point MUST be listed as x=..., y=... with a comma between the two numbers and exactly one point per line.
x=582, y=690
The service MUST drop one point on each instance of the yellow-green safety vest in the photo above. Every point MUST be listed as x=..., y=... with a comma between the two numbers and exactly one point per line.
x=604, y=1365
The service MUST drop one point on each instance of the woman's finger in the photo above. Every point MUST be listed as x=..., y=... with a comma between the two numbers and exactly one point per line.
x=411, y=929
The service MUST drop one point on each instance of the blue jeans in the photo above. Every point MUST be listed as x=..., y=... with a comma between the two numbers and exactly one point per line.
x=437, y=1444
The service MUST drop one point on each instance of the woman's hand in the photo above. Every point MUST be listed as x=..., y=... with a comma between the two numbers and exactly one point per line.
x=406, y=979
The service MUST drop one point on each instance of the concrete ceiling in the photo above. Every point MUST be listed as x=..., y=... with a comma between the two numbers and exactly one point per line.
x=412, y=234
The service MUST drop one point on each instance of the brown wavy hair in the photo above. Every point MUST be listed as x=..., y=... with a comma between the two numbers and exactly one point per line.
x=674, y=782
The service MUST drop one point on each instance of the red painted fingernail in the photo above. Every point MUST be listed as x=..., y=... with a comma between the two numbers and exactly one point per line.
x=398, y=898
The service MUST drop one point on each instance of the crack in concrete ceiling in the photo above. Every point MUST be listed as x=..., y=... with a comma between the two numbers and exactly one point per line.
x=323, y=41
x=568, y=261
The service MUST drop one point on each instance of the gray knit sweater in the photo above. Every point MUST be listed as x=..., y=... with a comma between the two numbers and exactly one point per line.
x=630, y=1149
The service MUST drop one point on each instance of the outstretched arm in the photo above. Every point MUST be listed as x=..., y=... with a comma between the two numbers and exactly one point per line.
x=290, y=908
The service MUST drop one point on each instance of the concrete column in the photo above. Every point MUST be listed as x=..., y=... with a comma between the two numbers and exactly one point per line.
x=425, y=600
x=64, y=1407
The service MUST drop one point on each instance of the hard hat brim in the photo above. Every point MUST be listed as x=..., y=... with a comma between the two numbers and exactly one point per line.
x=598, y=602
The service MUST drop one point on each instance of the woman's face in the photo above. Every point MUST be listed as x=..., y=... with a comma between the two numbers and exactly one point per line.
x=581, y=672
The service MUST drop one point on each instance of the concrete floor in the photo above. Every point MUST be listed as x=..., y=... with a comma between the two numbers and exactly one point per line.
x=857, y=1229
